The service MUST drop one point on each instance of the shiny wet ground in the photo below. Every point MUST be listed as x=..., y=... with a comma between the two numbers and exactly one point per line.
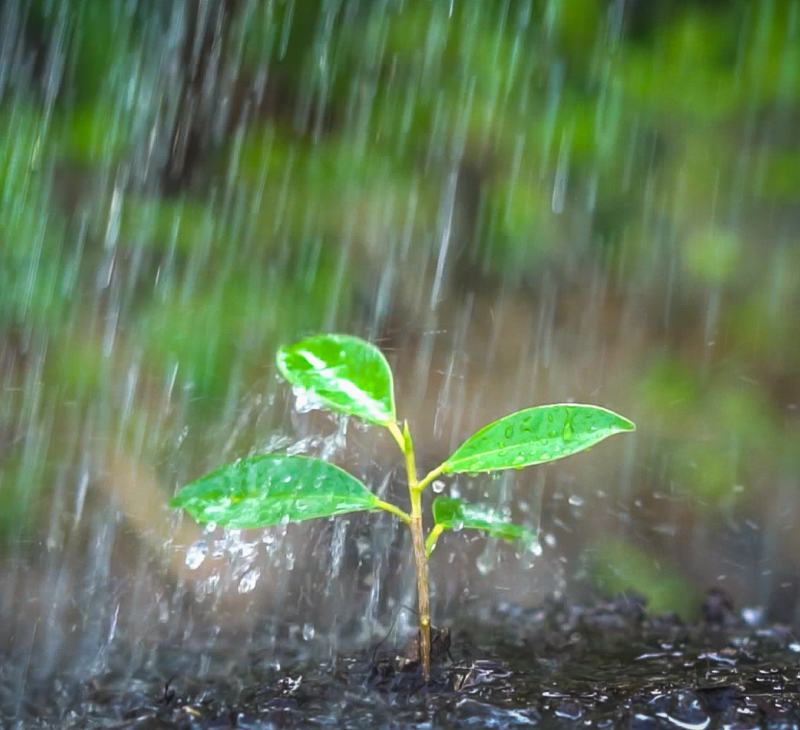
x=610, y=665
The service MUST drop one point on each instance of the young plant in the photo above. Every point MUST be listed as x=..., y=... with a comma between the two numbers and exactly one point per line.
x=351, y=376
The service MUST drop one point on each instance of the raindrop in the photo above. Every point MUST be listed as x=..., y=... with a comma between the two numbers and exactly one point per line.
x=438, y=486
x=509, y=431
x=305, y=401
x=196, y=554
x=249, y=580
x=308, y=632
x=485, y=561
x=753, y=616
x=569, y=709
x=567, y=432
x=576, y=500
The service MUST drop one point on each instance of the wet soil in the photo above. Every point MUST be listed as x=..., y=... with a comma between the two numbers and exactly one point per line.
x=607, y=666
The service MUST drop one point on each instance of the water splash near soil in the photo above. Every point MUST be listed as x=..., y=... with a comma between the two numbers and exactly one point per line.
x=611, y=665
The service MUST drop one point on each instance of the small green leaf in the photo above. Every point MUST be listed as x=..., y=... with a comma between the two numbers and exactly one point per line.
x=273, y=489
x=534, y=436
x=345, y=373
x=455, y=514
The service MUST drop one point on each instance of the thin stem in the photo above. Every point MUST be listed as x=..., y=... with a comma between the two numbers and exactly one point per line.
x=433, y=536
x=396, y=511
x=414, y=521
x=394, y=429
x=411, y=463
x=423, y=594
x=429, y=477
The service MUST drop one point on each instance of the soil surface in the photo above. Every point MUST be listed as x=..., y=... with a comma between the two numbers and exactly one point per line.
x=610, y=665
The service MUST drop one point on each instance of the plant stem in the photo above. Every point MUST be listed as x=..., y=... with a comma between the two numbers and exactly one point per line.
x=429, y=477
x=396, y=511
x=423, y=595
x=418, y=541
x=433, y=536
x=397, y=434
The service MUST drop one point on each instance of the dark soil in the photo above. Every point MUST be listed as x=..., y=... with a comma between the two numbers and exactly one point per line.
x=609, y=665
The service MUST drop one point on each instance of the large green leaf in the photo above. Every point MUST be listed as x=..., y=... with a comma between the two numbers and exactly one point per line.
x=345, y=373
x=455, y=514
x=534, y=436
x=271, y=490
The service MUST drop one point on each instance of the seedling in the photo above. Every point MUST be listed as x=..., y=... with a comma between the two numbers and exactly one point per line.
x=351, y=376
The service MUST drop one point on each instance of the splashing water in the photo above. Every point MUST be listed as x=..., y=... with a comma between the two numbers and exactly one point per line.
x=519, y=202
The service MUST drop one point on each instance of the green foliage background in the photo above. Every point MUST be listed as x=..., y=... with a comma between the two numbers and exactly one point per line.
x=679, y=125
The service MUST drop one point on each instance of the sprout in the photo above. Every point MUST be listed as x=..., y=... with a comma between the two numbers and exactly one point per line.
x=351, y=376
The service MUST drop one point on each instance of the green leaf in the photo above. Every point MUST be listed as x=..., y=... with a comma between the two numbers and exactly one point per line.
x=534, y=436
x=271, y=490
x=345, y=373
x=455, y=514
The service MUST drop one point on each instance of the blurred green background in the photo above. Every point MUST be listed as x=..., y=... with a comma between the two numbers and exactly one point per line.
x=186, y=185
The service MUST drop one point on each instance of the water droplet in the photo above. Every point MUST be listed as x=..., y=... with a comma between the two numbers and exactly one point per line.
x=509, y=431
x=306, y=401
x=196, y=554
x=458, y=526
x=249, y=580
x=567, y=433
x=753, y=616
x=438, y=486
x=576, y=500
x=485, y=561
x=308, y=632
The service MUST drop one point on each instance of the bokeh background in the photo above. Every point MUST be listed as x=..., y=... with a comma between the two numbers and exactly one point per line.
x=520, y=201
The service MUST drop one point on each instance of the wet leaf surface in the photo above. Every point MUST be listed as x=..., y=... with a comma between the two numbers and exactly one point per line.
x=272, y=489
x=456, y=514
x=346, y=373
x=535, y=436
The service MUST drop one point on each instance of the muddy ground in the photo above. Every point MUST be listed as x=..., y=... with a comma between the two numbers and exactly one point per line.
x=611, y=664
